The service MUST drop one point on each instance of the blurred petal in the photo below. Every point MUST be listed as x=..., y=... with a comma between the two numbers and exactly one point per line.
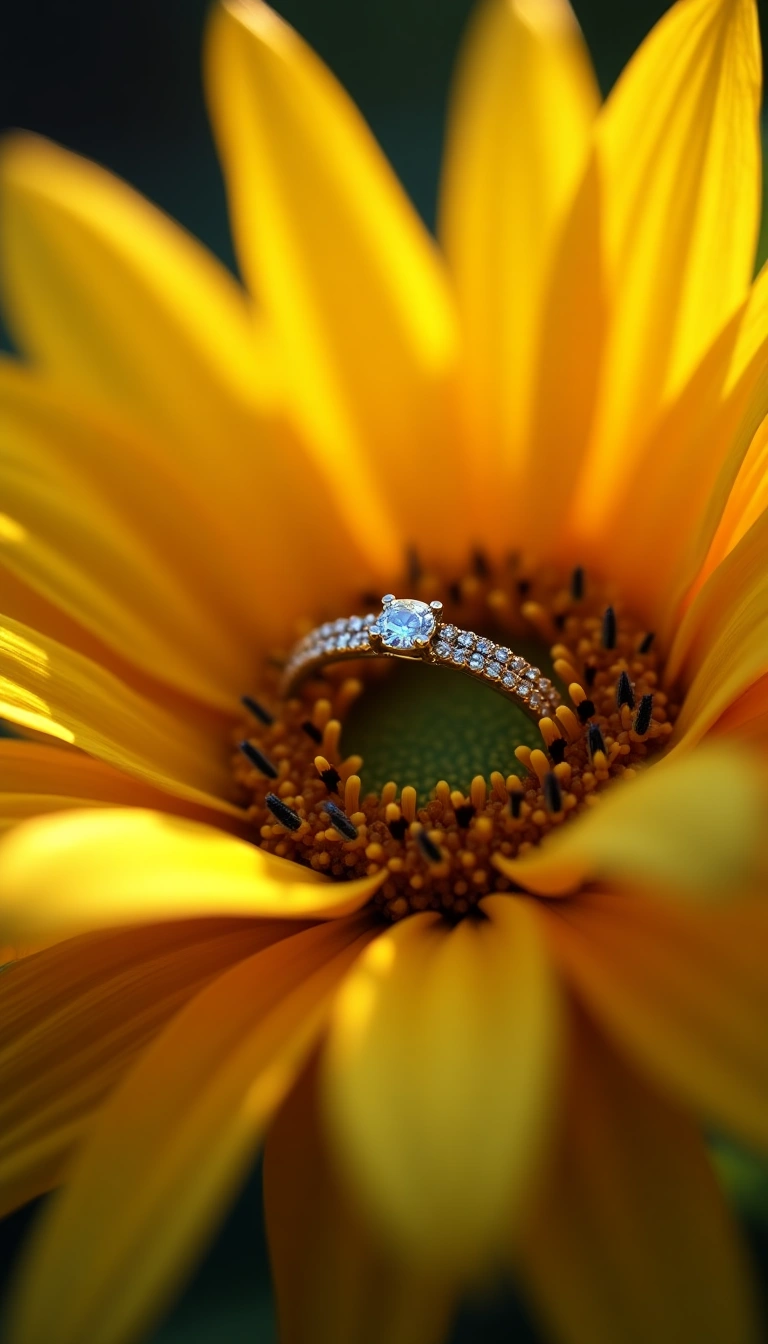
x=116, y=299
x=334, y=1283
x=36, y=779
x=333, y=251
x=678, y=150
x=632, y=1240
x=118, y=560
x=73, y=1019
x=439, y=1076
x=685, y=991
x=521, y=118
x=124, y=310
x=93, y=869
x=721, y=647
x=51, y=689
x=691, y=826
x=172, y=1143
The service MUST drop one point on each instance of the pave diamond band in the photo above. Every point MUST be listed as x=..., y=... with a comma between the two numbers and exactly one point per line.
x=408, y=628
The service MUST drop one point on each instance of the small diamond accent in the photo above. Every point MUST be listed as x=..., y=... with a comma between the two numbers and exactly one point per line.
x=535, y=701
x=355, y=622
x=531, y=674
x=484, y=645
x=525, y=690
x=459, y=656
x=493, y=670
x=448, y=632
x=509, y=679
x=466, y=639
x=517, y=664
x=442, y=649
x=503, y=655
x=343, y=641
x=477, y=662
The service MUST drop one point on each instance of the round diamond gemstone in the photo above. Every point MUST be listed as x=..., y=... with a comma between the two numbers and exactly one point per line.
x=406, y=623
x=443, y=649
x=466, y=639
x=459, y=656
x=476, y=662
x=484, y=645
x=493, y=670
x=448, y=632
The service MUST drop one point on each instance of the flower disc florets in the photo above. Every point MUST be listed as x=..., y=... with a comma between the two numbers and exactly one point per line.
x=305, y=796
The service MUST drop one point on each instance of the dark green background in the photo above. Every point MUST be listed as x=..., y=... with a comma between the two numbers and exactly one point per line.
x=121, y=83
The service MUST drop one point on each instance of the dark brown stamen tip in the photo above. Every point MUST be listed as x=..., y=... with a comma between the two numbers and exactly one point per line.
x=595, y=739
x=464, y=815
x=480, y=564
x=312, y=730
x=331, y=779
x=398, y=827
x=577, y=584
x=428, y=847
x=258, y=711
x=282, y=812
x=609, y=628
x=643, y=716
x=413, y=565
x=647, y=642
x=585, y=710
x=590, y=672
x=624, y=693
x=516, y=802
x=557, y=750
x=340, y=821
x=553, y=794
x=258, y=759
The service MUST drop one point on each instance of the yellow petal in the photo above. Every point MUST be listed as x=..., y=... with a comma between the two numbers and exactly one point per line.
x=690, y=825
x=87, y=523
x=632, y=1240
x=683, y=990
x=518, y=137
x=688, y=468
x=74, y=1018
x=51, y=689
x=678, y=151
x=123, y=309
x=333, y=1282
x=172, y=1143
x=344, y=270
x=109, y=293
x=93, y=869
x=438, y=1079
x=35, y=779
x=721, y=648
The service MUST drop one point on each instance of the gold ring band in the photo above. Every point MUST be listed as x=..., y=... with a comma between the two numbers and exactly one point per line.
x=408, y=628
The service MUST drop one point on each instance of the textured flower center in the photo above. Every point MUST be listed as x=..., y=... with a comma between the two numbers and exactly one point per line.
x=439, y=775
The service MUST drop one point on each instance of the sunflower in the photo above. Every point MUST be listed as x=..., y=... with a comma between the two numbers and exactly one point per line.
x=480, y=1015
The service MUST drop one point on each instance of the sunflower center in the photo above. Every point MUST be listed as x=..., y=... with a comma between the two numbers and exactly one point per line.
x=439, y=774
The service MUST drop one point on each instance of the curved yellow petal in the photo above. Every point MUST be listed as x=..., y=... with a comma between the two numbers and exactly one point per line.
x=684, y=991
x=689, y=825
x=97, y=557
x=172, y=1143
x=73, y=1019
x=518, y=136
x=123, y=310
x=36, y=778
x=344, y=270
x=700, y=482
x=632, y=1239
x=678, y=154
x=721, y=647
x=98, y=868
x=333, y=1282
x=438, y=1083
x=51, y=689
x=104, y=289
x=746, y=719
